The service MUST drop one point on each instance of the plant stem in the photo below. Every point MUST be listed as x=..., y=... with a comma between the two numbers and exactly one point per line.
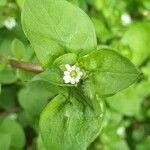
x=23, y=65
x=5, y=113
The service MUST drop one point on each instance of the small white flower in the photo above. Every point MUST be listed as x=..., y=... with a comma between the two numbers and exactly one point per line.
x=10, y=23
x=146, y=13
x=13, y=116
x=126, y=19
x=121, y=131
x=72, y=74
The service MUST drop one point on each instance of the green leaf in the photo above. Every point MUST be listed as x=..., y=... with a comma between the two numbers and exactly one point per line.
x=107, y=72
x=70, y=123
x=28, y=119
x=50, y=77
x=5, y=140
x=69, y=58
x=24, y=75
x=137, y=37
x=102, y=32
x=8, y=97
x=18, y=49
x=8, y=76
x=112, y=142
x=0, y=88
x=15, y=130
x=146, y=70
x=34, y=97
x=143, y=144
x=20, y=3
x=53, y=33
x=3, y=2
x=81, y=3
x=3, y=64
x=128, y=102
x=5, y=46
x=40, y=145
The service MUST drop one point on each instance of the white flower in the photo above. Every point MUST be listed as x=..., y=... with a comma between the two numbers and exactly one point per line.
x=126, y=19
x=72, y=74
x=146, y=13
x=121, y=131
x=13, y=116
x=10, y=23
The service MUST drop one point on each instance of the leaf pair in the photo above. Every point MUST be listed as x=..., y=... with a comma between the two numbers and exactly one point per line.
x=107, y=72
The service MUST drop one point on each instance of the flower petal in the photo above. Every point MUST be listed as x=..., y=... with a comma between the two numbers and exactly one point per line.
x=77, y=79
x=73, y=81
x=10, y=23
x=68, y=67
x=126, y=19
x=73, y=68
x=80, y=73
x=77, y=69
x=67, y=79
x=67, y=73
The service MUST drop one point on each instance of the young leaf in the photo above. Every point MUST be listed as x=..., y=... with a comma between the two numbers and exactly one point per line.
x=36, y=95
x=52, y=32
x=5, y=46
x=69, y=58
x=70, y=123
x=3, y=2
x=108, y=71
x=124, y=101
x=50, y=77
x=20, y=3
x=137, y=37
x=18, y=49
x=8, y=76
x=16, y=132
x=3, y=64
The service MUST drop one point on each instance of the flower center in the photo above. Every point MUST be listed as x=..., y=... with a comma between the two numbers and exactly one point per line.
x=73, y=74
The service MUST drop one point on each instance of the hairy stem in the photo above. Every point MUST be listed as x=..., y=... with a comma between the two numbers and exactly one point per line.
x=23, y=65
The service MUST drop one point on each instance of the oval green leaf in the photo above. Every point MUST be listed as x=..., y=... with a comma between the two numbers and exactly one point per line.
x=16, y=132
x=53, y=32
x=18, y=49
x=70, y=124
x=137, y=37
x=108, y=72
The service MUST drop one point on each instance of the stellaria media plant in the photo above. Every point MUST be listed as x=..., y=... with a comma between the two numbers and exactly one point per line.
x=78, y=73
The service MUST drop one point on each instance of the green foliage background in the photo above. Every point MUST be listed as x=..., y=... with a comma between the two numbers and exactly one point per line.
x=126, y=124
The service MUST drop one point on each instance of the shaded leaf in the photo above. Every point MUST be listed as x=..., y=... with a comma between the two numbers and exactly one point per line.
x=16, y=132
